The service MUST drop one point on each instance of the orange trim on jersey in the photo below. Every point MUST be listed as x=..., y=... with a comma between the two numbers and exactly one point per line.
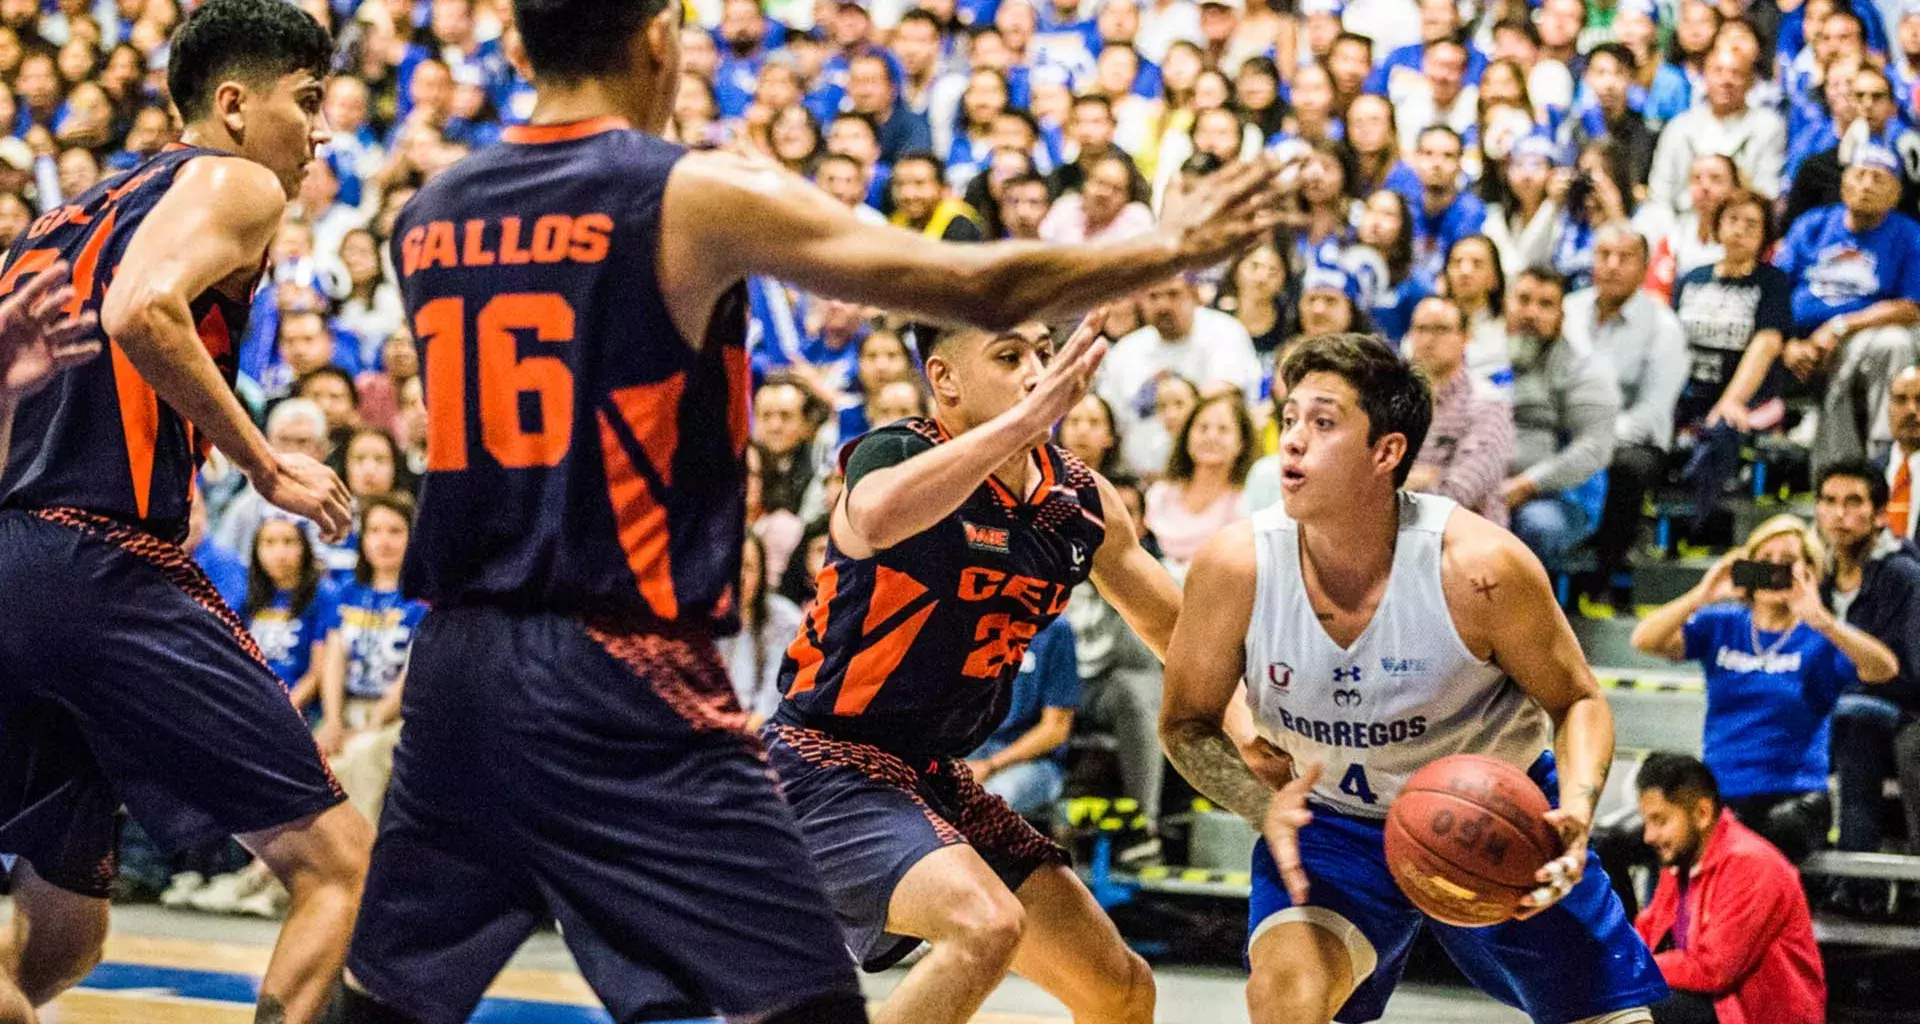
x=139, y=423
x=652, y=412
x=642, y=523
x=1005, y=494
x=803, y=650
x=570, y=131
x=869, y=670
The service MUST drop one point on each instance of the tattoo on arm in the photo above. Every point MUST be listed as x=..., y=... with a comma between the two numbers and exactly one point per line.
x=1485, y=586
x=270, y=1010
x=1210, y=761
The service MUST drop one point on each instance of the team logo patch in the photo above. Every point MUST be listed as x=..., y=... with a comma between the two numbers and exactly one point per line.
x=1280, y=675
x=986, y=538
x=1346, y=698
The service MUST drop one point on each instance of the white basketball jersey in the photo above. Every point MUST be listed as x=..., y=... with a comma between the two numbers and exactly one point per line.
x=1407, y=693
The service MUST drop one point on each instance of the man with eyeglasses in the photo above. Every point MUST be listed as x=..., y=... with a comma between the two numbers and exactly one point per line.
x=1876, y=117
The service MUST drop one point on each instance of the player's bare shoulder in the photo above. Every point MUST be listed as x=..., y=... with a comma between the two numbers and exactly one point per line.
x=1490, y=578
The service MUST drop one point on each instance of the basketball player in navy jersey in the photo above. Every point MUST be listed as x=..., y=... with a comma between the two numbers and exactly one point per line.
x=39, y=339
x=124, y=679
x=573, y=751
x=956, y=540
x=1378, y=631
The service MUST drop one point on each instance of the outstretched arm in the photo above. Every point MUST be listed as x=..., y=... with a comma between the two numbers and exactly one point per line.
x=212, y=226
x=1133, y=581
x=887, y=506
x=740, y=217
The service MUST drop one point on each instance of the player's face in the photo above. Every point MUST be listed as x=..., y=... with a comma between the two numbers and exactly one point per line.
x=1324, y=455
x=990, y=377
x=278, y=549
x=1672, y=830
x=383, y=540
x=283, y=126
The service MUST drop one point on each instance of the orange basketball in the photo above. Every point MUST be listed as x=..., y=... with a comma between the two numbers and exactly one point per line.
x=1465, y=838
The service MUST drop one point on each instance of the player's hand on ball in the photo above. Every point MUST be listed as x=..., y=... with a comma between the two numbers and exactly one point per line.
x=1286, y=816
x=1562, y=873
x=38, y=339
x=308, y=489
x=1069, y=374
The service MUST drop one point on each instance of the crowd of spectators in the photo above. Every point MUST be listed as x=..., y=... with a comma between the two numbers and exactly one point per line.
x=1622, y=239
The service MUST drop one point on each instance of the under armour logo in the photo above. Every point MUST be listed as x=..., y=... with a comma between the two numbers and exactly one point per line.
x=1346, y=698
x=1349, y=674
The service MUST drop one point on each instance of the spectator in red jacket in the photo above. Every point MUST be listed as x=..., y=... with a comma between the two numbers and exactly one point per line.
x=1728, y=924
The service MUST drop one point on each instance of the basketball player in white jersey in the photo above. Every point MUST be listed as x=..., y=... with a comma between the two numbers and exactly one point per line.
x=1379, y=631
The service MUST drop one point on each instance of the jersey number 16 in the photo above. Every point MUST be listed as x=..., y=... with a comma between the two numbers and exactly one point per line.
x=502, y=376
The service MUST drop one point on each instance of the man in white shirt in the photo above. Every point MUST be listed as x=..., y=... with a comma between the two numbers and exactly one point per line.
x=1641, y=339
x=1755, y=137
x=1206, y=346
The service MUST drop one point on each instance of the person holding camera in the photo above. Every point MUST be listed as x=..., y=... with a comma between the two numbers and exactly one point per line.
x=1776, y=660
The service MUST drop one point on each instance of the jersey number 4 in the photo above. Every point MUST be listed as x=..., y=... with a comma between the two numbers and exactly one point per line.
x=1354, y=784
x=501, y=378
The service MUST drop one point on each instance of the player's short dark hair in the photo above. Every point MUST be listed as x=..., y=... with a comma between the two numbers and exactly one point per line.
x=400, y=503
x=1856, y=469
x=1680, y=778
x=1394, y=396
x=322, y=372
x=575, y=39
x=1619, y=52
x=259, y=41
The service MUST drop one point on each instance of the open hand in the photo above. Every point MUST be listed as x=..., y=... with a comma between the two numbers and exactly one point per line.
x=39, y=338
x=1069, y=375
x=1224, y=212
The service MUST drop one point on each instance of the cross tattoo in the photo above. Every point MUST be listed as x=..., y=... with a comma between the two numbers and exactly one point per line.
x=1485, y=588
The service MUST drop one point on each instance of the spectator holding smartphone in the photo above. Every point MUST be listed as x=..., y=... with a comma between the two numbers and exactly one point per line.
x=1775, y=660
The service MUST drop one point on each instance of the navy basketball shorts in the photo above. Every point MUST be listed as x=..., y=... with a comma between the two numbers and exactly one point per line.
x=1579, y=958
x=551, y=772
x=125, y=680
x=868, y=817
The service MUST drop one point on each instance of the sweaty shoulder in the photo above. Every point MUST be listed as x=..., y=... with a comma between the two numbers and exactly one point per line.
x=243, y=193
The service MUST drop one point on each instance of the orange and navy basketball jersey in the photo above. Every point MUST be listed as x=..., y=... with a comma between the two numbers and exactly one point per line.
x=915, y=649
x=98, y=438
x=582, y=457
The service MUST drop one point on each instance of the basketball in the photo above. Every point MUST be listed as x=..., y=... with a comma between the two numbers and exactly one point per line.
x=1465, y=838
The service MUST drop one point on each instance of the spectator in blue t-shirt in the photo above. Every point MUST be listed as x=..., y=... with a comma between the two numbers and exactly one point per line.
x=369, y=627
x=1444, y=214
x=287, y=602
x=1776, y=661
x=1856, y=300
x=1021, y=761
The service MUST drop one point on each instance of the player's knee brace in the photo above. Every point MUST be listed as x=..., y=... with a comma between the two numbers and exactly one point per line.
x=351, y=1006
x=840, y=1009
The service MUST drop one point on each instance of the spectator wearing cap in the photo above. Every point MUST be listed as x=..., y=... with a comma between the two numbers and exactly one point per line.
x=1404, y=66
x=1101, y=210
x=870, y=91
x=1565, y=401
x=1522, y=213
x=17, y=165
x=1179, y=338
x=1876, y=117
x=921, y=202
x=1640, y=338
x=1444, y=213
x=1856, y=300
x=1329, y=303
x=1604, y=111
x=1729, y=924
x=1755, y=137
x=1470, y=443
